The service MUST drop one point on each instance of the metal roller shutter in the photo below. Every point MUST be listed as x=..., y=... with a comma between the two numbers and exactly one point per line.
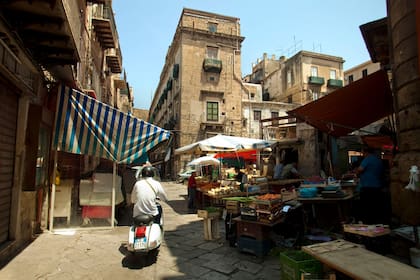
x=8, y=122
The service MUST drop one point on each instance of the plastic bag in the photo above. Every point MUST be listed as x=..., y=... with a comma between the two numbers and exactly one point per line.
x=413, y=183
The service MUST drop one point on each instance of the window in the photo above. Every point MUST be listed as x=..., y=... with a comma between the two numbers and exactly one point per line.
x=273, y=116
x=289, y=99
x=333, y=74
x=212, y=52
x=364, y=73
x=289, y=77
x=351, y=79
x=212, y=27
x=314, y=71
x=315, y=95
x=212, y=111
x=257, y=115
x=252, y=96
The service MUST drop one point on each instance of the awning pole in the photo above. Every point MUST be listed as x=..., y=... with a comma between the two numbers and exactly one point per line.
x=114, y=178
x=52, y=204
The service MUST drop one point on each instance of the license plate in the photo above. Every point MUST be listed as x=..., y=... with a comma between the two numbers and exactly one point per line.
x=140, y=243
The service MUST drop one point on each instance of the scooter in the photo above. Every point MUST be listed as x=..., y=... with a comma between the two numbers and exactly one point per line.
x=145, y=235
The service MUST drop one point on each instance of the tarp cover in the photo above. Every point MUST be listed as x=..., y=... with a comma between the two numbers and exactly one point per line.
x=221, y=143
x=349, y=108
x=87, y=126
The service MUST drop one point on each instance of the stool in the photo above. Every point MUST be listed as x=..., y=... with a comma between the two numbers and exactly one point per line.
x=211, y=228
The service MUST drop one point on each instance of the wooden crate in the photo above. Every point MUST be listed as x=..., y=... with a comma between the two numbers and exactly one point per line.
x=232, y=206
x=207, y=215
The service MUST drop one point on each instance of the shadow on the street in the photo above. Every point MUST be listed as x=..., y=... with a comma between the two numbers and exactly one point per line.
x=179, y=206
x=137, y=261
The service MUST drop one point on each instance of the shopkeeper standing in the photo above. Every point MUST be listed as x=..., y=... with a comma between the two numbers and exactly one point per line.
x=372, y=198
x=290, y=171
x=241, y=177
x=192, y=189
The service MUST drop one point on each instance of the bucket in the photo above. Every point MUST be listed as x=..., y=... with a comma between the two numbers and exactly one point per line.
x=415, y=256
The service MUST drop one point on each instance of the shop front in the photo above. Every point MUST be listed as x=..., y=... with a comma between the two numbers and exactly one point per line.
x=91, y=140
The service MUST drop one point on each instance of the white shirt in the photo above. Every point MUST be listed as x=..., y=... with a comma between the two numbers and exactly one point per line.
x=144, y=196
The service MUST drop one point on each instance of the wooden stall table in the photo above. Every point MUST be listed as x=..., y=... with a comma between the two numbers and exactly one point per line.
x=253, y=236
x=277, y=185
x=208, y=199
x=373, y=237
x=338, y=201
x=358, y=263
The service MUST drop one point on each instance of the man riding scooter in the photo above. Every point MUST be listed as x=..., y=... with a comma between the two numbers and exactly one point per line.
x=147, y=231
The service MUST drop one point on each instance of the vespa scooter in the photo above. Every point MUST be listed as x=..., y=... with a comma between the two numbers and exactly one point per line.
x=145, y=235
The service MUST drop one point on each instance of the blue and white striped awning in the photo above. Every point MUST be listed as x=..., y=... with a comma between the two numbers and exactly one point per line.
x=87, y=126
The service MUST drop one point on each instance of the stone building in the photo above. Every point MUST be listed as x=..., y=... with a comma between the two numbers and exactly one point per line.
x=43, y=44
x=360, y=71
x=394, y=42
x=304, y=77
x=288, y=83
x=199, y=93
x=256, y=110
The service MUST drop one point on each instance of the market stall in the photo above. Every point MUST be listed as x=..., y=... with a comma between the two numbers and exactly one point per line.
x=212, y=191
x=86, y=126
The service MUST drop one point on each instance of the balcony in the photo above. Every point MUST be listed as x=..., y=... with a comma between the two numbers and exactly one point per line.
x=175, y=71
x=47, y=29
x=10, y=62
x=212, y=125
x=212, y=65
x=314, y=80
x=114, y=60
x=335, y=83
x=104, y=25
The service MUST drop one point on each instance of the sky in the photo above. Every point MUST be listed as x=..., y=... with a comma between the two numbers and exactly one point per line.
x=276, y=27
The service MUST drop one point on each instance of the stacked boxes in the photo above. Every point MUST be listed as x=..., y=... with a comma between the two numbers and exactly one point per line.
x=232, y=206
x=253, y=237
x=251, y=245
x=269, y=210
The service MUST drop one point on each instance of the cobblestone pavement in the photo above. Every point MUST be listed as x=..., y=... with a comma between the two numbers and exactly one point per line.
x=101, y=254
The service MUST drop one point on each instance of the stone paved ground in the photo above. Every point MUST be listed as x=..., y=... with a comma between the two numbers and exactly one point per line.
x=101, y=254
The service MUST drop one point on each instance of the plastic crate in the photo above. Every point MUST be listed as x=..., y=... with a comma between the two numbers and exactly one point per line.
x=293, y=263
x=251, y=245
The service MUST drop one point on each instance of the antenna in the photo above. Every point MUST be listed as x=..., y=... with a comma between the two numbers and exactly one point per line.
x=315, y=46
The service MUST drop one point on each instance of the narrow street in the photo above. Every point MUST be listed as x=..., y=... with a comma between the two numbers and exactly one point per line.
x=101, y=254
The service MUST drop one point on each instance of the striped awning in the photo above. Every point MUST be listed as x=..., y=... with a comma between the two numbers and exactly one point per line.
x=87, y=126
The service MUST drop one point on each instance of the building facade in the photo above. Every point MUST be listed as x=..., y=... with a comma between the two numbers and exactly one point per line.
x=360, y=71
x=302, y=78
x=199, y=93
x=44, y=44
x=288, y=83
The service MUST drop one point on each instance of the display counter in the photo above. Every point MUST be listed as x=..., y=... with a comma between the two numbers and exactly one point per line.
x=95, y=196
x=328, y=211
x=358, y=263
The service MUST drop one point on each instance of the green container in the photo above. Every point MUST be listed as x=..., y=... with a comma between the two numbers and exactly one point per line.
x=294, y=263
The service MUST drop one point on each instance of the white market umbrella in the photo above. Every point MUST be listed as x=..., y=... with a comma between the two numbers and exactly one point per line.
x=206, y=160
x=224, y=143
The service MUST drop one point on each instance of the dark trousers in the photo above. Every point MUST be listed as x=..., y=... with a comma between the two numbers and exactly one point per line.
x=373, y=208
x=191, y=198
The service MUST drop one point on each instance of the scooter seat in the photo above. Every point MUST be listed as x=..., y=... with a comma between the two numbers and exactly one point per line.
x=142, y=220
